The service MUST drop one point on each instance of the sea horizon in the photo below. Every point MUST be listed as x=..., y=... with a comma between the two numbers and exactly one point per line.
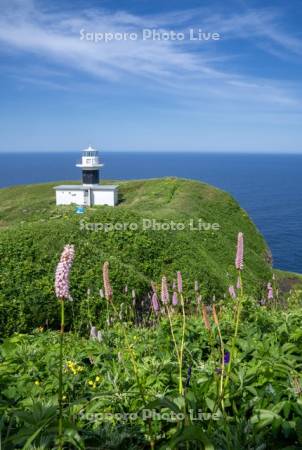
x=201, y=152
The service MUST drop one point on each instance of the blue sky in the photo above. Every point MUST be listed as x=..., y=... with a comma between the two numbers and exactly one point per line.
x=60, y=91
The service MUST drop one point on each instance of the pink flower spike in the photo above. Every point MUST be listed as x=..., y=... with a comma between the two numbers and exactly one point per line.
x=106, y=280
x=239, y=253
x=164, y=291
x=155, y=304
x=179, y=282
x=62, y=273
x=270, y=292
x=174, y=299
x=232, y=292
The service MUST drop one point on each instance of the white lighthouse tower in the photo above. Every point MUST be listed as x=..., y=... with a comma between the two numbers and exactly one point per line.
x=90, y=192
x=90, y=166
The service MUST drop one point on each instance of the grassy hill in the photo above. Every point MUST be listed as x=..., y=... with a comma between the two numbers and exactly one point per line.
x=131, y=367
x=33, y=231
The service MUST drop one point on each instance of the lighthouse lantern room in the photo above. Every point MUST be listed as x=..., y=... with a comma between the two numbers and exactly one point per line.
x=90, y=166
x=90, y=192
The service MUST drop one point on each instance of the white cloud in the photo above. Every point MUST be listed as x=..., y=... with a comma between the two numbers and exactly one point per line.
x=53, y=36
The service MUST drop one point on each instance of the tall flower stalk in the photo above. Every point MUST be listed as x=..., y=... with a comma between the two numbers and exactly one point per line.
x=106, y=280
x=205, y=317
x=239, y=263
x=107, y=289
x=179, y=348
x=62, y=294
x=155, y=304
x=232, y=292
x=270, y=291
x=221, y=390
x=239, y=253
x=164, y=291
x=165, y=302
x=181, y=352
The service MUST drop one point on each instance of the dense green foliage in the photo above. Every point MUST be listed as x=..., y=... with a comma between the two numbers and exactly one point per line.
x=34, y=232
x=263, y=401
x=210, y=372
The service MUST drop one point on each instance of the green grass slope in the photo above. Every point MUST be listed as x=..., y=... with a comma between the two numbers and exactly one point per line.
x=33, y=231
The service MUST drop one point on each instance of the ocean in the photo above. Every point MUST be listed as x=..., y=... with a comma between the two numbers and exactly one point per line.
x=268, y=187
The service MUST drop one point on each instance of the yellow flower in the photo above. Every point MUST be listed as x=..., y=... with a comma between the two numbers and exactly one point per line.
x=37, y=383
x=90, y=382
x=64, y=397
x=73, y=367
x=97, y=378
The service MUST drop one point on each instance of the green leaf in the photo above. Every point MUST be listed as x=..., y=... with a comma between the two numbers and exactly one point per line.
x=188, y=434
x=264, y=417
x=163, y=403
x=210, y=403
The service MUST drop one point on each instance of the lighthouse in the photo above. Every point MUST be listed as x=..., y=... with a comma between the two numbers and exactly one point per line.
x=90, y=166
x=90, y=192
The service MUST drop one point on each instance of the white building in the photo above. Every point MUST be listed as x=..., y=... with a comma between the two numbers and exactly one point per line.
x=90, y=192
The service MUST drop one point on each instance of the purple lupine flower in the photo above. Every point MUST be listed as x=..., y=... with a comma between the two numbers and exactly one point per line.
x=239, y=253
x=226, y=358
x=262, y=302
x=174, y=299
x=106, y=280
x=232, y=291
x=238, y=284
x=164, y=291
x=62, y=273
x=155, y=304
x=270, y=292
x=179, y=282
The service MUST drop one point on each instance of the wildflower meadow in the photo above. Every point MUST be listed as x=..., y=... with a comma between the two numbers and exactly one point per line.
x=169, y=370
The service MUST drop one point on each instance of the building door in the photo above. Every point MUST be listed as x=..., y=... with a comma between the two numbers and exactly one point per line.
x=86, y=197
